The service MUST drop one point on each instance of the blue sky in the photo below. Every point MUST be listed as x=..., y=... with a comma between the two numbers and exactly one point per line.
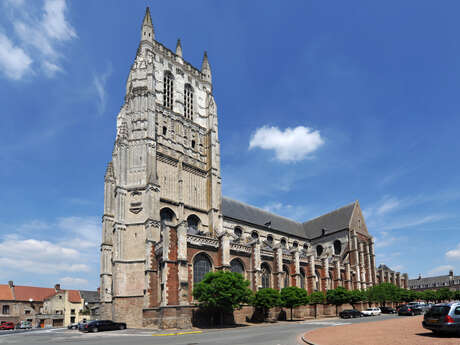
x=320, y=104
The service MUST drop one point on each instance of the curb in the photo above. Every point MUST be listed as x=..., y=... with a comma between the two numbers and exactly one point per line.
x=306, y=340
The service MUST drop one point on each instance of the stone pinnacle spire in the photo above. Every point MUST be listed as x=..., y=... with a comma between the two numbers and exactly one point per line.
x=206, y=68
x=147, y=33
x=178, y=48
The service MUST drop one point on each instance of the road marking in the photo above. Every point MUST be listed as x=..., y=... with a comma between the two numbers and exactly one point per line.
x=177, y=333
x=327, y=323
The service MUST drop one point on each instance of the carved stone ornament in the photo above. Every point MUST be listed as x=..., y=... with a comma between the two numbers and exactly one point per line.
x=135, y=207
x=239, y=248
x=153, y=224
x=201, y=241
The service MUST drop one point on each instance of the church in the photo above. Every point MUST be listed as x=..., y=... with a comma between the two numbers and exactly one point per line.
x=166, y=223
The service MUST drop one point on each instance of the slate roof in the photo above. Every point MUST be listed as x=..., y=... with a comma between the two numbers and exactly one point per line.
x=332, y=221
x=384, y=267
x=90, y=296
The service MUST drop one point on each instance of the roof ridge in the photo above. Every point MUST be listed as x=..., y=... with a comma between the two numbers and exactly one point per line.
x=262, y=210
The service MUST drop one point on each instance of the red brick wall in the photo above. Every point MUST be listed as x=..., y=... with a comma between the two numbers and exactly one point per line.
x=172, y=282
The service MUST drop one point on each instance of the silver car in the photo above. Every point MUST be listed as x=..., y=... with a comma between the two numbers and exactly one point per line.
x=444, y=317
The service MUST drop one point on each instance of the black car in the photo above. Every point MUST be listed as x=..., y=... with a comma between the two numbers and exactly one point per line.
x=388, y=310
x=350, y=313
x=410, y=310
x=102, y=325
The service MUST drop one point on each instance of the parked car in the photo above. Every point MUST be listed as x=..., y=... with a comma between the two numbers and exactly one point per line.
x=7, y=325
x=443, y=317
x=388, y=310
x=371, y=311
x=24, y=325
x=73, y=326
x=350, y=313
x=103, y=325
x=410, y=310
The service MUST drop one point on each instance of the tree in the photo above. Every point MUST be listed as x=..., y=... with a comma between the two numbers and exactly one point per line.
x=443, y=294
x=429, y=296
x=293, y=296
x=456, y=295
x=338, y=296
x=357, y=296
x=265, y=299
x=222, y=291
x=316, y=298
x=382, y=293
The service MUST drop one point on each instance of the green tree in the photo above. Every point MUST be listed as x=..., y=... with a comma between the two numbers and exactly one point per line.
x=293, y=296
x=265, y=299
x=383, y=293
x=222, y=292
x=429, y=296
x=338, y=296
x=456, y=295
x=443, y=294
x=357, y=296
x=316, y=298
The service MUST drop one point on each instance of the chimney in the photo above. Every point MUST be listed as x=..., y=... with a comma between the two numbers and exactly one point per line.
x=57, y=287
x=10, y=284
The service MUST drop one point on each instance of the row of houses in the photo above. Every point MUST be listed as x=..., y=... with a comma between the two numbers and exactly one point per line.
x=450, y=281
x=47, y=307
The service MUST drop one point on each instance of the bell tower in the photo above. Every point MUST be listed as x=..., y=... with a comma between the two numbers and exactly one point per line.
x=165, y=161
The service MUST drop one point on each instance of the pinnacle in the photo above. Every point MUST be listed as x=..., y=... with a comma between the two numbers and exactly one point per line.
x=178, y=48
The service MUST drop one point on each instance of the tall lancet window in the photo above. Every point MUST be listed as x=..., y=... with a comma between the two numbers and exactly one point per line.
x=188, y=101
x=168, y=88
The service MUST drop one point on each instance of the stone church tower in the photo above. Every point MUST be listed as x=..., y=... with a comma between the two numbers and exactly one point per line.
x=166, y=159
x=166, y=224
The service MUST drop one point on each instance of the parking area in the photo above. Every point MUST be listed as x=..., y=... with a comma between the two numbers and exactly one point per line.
x=402, y=330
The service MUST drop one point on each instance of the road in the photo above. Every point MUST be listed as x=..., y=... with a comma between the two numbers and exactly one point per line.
x=282, y=333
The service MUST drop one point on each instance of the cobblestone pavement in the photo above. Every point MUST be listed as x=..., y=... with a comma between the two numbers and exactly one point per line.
x=403, y=330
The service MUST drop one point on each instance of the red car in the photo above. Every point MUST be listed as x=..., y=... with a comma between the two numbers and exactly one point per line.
x=7, y=325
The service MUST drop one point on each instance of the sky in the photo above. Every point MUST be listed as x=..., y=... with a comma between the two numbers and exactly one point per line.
x=320, y=104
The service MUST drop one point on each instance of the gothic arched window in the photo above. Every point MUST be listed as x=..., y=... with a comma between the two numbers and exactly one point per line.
x=265, y=275
x=201, y=266
x=237, y=266
x=168, y=89
x=283, y=243
x=270, y=239
x=286, y=276
x=337, y=247
x=192, y=224
x=302, y=278
x=188, y=101
x=254, y=235
x=319, y=250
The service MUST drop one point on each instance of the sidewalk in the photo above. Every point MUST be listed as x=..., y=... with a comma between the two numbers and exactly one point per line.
x=401, y=331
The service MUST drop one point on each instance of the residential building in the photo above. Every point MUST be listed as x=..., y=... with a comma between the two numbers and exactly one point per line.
x=435, y=283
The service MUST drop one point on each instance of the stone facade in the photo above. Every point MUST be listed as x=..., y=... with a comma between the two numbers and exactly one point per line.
x=165, y=222
x=450, y=281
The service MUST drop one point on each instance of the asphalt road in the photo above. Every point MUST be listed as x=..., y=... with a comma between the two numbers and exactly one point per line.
x=282, y=333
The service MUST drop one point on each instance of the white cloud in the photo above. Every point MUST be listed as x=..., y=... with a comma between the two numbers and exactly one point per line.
x=290, y=145
x=72, y=249
x=388, y=205
x=454, y=253
x=14, y=62
x=385, y=240
x=54, y=21
x=41, y=35
x=444, y=269
x=99, y=82
x=73, y=283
